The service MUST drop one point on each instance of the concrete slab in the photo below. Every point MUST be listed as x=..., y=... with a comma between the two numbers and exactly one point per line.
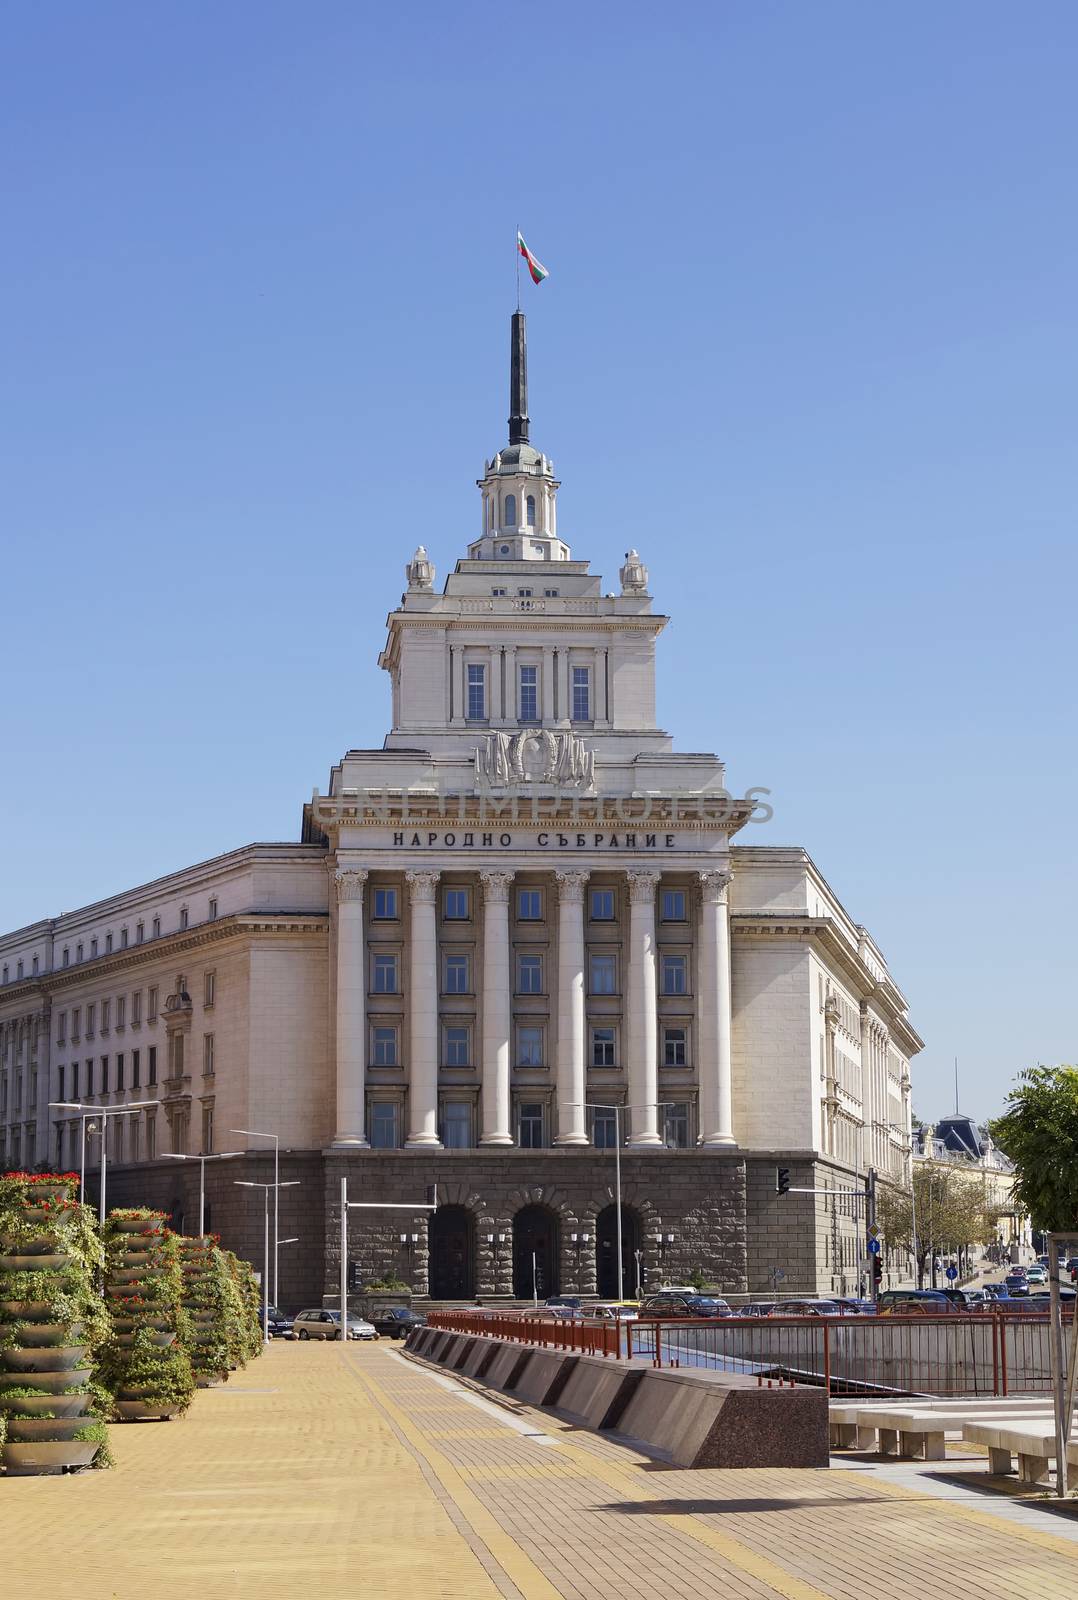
x=508, y=1365
x=710, y=1419
x=598, y=1391
x=545, y=1377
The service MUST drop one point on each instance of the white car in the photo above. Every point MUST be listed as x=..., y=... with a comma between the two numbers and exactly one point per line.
x=319, y=1324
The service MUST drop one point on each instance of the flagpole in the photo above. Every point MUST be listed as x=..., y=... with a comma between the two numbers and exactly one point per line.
x=518, y=269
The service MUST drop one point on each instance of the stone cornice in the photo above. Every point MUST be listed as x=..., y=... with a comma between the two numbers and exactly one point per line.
x=306, y=923
x=489, y=810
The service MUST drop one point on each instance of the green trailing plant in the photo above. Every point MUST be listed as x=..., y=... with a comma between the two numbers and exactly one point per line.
x=134, y=1366
x=392, y=1285
x=218, y=1339
x=39, y=1216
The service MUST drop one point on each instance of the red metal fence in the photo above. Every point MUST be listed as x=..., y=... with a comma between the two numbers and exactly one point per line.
x=991, y=1354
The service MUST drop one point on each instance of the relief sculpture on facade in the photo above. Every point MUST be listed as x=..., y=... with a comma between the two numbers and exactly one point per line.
x=534, y=755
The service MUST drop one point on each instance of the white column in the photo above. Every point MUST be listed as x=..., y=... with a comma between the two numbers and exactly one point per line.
x=643, y=1050
x=423, y=989
x=572, y=1078
x=351, y=1006
x=714, y=1011
x=496, y=1008
x=510, y=683
x=547, y=706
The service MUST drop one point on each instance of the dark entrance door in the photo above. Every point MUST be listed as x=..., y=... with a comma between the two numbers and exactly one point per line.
x=451, y=1274
x=606, y=1251
x=535, y=1253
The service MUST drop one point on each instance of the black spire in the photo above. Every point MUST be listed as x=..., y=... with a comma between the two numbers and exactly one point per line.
x=518, y=381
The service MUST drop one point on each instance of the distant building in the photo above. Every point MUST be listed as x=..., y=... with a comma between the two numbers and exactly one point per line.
x=515, y=932
x=966, y=1144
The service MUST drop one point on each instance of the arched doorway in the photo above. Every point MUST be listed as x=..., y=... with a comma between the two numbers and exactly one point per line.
x=535, y=1253
x=606, y=1251
x=451, y=1235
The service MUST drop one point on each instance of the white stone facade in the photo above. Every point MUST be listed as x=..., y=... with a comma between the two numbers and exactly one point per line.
x=524, y=909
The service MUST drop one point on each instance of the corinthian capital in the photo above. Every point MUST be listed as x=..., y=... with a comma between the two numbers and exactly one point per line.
x=714, y=887
x=642, y=887
x=496, y=886
x=571, y=886
x=423, y=886
x=349, y=882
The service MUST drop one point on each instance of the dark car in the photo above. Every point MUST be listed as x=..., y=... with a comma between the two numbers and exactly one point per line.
x=675, y=1304
x=915, y=1303
x=396, y=1321
x=1016, y=1283
x=808, y=1308
x=573, y=1301
x=280, y=1326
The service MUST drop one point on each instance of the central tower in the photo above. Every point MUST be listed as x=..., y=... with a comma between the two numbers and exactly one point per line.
x=520, y=520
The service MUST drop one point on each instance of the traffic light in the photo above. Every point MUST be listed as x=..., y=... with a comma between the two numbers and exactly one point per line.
x=877, y=1271
x=782, y=1180
x=354, y=1284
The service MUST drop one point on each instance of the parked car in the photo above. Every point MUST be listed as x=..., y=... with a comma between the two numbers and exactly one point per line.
x=613, y=1310
x=573, y=1301
x=1037, y=1274
x=394, y=1322
x=755, y=1308
x=280, y=1326
x=319, y=1324
x=1016, y=1283
x=914, y=1303
x=676, y=1303
x=806, y=1308
x=855, y=1306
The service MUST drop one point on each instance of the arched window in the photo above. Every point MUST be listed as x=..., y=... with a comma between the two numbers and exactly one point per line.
x=531, y=510
x=510, y=511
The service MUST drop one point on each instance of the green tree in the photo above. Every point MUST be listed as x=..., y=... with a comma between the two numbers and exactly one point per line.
x=945, y=1214
x=1039, y=1132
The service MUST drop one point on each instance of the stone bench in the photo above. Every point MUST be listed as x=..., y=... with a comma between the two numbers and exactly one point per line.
x=915, y=1429
x=1031, y=1439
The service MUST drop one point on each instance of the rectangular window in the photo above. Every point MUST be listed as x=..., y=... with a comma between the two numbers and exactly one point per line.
x=209, y=989
x=136, y=1139
x=531, y=1125
x=604, y=1128
x=151, y=1138
x=477, y=692
x=104, y=1089
x=676, y=1132
x=121, y=1011
x=675, y=1052
x=207, y=1130
x=152, y=1066
x=120, y=1071
x=91, y=1018
x=61, y=1028
x=528, y=706
x=602, y=1047
x=93, y=949
x=213, y=908
x=183, y=918
x=75, y=1016
x=385, y=1047
x=157, y=927
x=602, y=905
x=207, y=1055
x=457, y=905
x=456, y=977
x=151, y=1005
x=675, y=978
x=551, y=594
x=673, y=905
x=456, y=1124
x=529, y=974
x=108, y=945
x=136, y=1056
x=499, y=594
x=458, y=1047
x=384, y=1125
x=604, y=973
x=385, y=973
x=66, y=956
x=529, y=1047
x=136, y=1008
x=78, y=956
x=74, y=1080
x=530, y=905
x=123, y=938
x=385, y=906
x=140, y=932
x=60, y=1092
x=581, y=694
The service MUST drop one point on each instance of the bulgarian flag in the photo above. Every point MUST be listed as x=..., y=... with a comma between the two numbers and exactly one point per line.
x=536, y=268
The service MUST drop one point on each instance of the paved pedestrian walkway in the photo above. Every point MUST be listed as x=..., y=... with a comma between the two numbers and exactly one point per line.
x=355, y=1472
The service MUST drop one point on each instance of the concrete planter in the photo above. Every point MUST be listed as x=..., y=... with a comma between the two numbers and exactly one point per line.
x=32, y=1335
x=17, y=1309
x=27, y=1430
x=49, y=1382
x=144, y=1411
x=159, y=1338
x=55, y=1358
x=59, y=1405
x=24, y=1460
x=35, y=1263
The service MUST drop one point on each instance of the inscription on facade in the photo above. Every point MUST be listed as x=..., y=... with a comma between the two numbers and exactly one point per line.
x=434, y=839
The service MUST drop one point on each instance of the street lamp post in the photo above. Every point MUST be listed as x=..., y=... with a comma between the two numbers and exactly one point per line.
x=225, y=1155
x=602, y=1105
x=104, y=1112
x=254, y=1133
x=245, y=1183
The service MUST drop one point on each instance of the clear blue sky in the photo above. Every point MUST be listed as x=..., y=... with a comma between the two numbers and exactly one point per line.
x=809, y=341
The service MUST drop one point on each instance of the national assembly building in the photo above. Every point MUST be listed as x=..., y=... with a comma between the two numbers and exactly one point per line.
x=523, y=936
